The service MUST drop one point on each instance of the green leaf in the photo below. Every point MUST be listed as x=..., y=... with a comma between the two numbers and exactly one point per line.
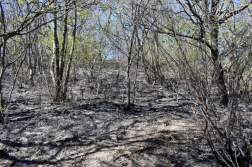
x=69, y=20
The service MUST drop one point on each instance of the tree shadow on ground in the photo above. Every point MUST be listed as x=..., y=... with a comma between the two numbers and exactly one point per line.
x=84, y=131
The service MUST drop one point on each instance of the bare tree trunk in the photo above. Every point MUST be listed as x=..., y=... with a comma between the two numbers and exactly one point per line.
x=129, y=65
x=219, y=73
x=2, y=48
x=157, y=72
x=30, y=66
x=52, y=68
x=128, y=84
x=135, y=81
x=56, y=57
x=64, y=43
x=71, y=53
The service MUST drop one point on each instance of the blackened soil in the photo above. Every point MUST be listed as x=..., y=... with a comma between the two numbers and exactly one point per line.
x=96, y=130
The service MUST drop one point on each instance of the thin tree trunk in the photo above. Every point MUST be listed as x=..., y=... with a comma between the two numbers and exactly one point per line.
x=52, y=69
x=128, y=68
x=219, y=73
x=2, y=73
x=56, y=56
x=2, y=48
x=71, y=53
x=128, y=85
x=64, y=44
x=30, y=66
x=135, y=81
x=157, y=71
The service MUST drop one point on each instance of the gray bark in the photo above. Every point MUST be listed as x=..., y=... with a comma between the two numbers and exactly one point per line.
x=2, y=52
x=129, y=65
x=55, y=74
x=71, y=52
x=64, y=43
x=219, y=73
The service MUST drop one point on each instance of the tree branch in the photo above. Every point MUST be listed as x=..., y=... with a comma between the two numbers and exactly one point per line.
x=240, y=9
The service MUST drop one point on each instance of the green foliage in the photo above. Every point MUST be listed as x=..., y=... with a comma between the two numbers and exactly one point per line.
x=105, y=7
x=84, y=14
x=20, y=1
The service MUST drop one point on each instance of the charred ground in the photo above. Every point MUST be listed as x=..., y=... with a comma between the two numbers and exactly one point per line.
x=95, y=130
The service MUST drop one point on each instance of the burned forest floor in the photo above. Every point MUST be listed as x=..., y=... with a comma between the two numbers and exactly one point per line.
x=94, y=129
